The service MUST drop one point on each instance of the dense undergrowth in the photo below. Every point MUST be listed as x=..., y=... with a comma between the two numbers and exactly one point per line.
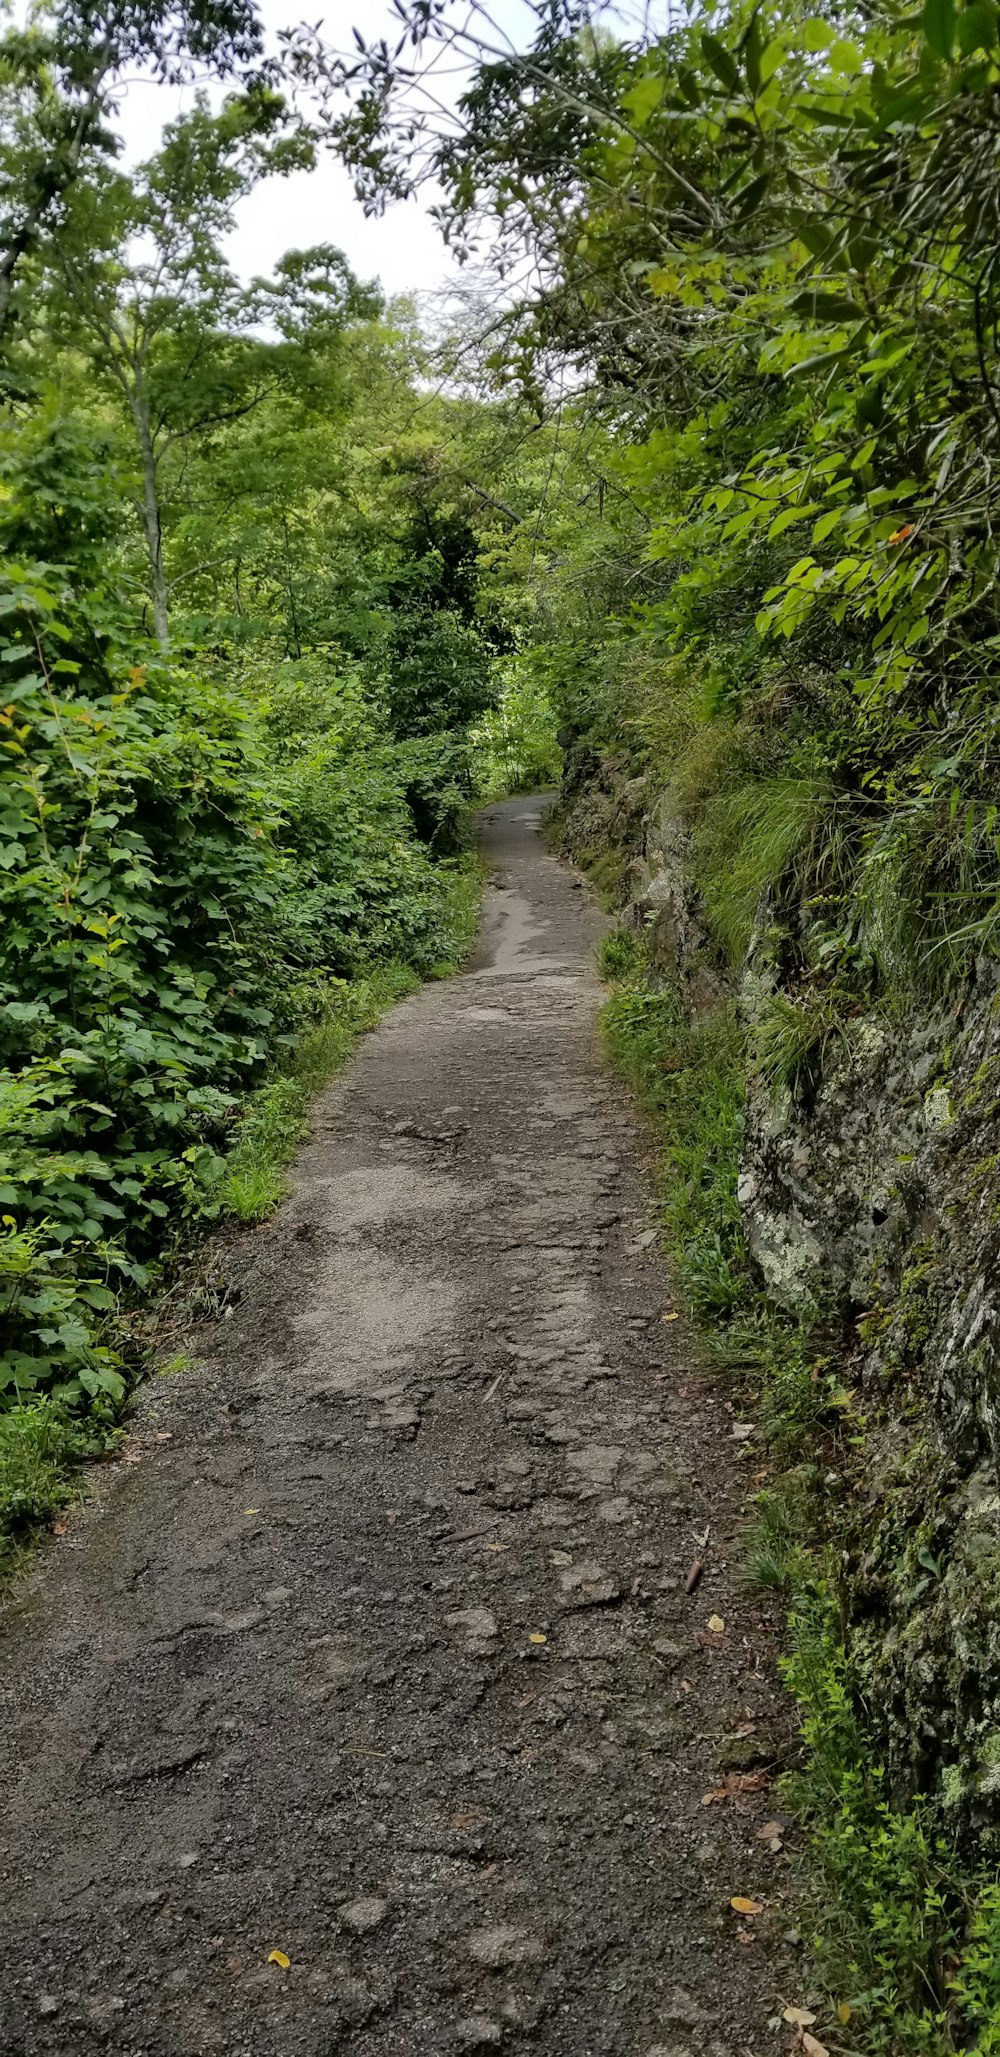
x=200, y=891
x=254, y=615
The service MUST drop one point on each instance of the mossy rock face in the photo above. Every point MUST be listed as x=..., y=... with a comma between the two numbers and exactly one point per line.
x=923, y=1596
x=869, y=1197
x=598, y=819
x=877, y=1192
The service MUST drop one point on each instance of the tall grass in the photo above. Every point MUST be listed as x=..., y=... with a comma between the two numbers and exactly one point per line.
x=688, y=1076
x=277, y=1116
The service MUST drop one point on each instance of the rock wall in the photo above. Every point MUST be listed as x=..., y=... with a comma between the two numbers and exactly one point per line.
x=870, y=1198
x=878, y=1185
x=603, y=806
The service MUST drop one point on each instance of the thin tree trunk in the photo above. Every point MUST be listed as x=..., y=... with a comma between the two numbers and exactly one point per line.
x=290, y=589
x=152, y=522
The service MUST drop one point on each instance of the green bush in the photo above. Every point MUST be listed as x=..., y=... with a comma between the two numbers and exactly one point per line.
x=199, y=891
x=38, y=1445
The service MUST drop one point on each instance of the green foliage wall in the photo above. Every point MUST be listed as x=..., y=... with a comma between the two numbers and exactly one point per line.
x=182, y=868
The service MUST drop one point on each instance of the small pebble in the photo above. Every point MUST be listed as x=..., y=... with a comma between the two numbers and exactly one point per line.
x=361, y=1916
x=477, y=2033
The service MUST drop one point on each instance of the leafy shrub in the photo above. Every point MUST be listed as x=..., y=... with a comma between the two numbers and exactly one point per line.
x=516, y=749
x=186, y=880
x=38, y=1443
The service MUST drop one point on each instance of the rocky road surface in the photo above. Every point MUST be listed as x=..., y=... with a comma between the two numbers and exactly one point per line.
x=376, y=1650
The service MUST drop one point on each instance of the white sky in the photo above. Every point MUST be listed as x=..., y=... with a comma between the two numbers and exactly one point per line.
x=403, y=249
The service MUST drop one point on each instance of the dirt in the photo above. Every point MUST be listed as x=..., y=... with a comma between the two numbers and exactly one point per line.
x=377, y=1651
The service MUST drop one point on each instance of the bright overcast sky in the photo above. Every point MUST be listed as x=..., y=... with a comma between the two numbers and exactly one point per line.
x=403, y=250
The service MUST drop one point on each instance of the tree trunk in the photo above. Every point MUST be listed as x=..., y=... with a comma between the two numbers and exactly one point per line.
x=151, y=522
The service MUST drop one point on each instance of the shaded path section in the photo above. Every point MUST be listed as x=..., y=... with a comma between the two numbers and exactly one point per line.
x=380, y=1656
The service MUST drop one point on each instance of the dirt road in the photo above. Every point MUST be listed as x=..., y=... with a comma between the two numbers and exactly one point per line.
x=380, y=1656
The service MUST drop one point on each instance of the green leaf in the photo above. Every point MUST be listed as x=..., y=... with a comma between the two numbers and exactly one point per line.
x=753, y=43
x=977, y=28
x=790, y=515
x=826, y=524
x=845, y=56
x=822, y=360
x=688, y=83
x=824, y=306
x=722, y=61
x=642, y=99
x=770, y=58
x=749, y=199
x=817, y=238
x=938, y=22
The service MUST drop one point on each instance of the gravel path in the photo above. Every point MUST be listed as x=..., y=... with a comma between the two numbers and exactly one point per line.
x=378, y=1652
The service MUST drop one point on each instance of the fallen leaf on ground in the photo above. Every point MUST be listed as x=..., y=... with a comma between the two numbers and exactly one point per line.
x=741, y=1905
x=538, y=1639
x=716, y=1624
x=843, y=2013
x=811, y=2047
x=251, y=1510
x=799, y=2017
x=670, y=1317
x=769, y=1831
x=737, y=1782
x=59, y=1528
x=278, y=1957
x=742, y=1431
x=743, y=1935
x=746, y=1728
x=163, y=1435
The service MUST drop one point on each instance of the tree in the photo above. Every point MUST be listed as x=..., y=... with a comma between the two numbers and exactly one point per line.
x=138, y=283
x=57, y=85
